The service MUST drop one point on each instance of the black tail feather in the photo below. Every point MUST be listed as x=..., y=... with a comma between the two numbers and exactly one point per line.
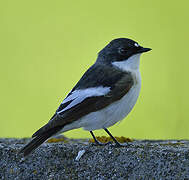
x=38, y=140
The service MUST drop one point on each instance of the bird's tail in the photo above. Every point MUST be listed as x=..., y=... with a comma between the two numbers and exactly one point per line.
x=38, y=140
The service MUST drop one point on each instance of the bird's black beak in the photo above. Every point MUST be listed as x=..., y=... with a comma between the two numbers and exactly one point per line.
x=142, y=50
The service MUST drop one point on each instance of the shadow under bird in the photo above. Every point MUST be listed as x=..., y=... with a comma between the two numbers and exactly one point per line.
x=104, y=95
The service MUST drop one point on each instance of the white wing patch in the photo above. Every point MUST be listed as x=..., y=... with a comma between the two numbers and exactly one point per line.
x=78, y=96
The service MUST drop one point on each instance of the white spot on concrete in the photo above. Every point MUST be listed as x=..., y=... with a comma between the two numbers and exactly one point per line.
x=79, y=155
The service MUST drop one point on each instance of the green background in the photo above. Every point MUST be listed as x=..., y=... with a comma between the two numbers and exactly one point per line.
x=46, y=46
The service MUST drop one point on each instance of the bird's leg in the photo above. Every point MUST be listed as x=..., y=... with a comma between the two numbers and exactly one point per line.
x=96, y=141
x=114, y=139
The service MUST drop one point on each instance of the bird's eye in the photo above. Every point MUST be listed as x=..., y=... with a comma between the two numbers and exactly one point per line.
x=122, y=51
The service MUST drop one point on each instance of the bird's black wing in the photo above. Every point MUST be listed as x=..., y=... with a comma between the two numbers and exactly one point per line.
x=118, y=83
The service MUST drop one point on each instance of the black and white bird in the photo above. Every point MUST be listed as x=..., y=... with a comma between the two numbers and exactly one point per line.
x=104, y=95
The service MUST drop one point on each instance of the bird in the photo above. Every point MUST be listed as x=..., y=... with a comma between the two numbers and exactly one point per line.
x=105, y=94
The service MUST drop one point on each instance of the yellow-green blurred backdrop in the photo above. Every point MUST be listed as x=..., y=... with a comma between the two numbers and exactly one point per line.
x=46, y=46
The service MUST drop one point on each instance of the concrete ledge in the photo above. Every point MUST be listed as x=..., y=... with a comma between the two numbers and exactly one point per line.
x=80, y=160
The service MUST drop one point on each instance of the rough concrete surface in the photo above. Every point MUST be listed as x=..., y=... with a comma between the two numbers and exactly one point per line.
x=80, y=160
